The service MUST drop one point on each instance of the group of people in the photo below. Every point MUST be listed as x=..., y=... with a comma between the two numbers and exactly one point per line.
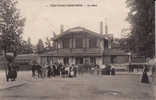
x=52, y=70
x=108, y=70
x=58, y=69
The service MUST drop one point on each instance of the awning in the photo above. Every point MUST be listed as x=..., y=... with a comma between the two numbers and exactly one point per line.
x=139, y=64
x=74, y=54
x=152, y=61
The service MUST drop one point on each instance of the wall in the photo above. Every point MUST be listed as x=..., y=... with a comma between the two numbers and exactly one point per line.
x=99, y=60
x=121, y=59
x=60, y=60
x=118, y=59
x=106, y=59
x=72, y=60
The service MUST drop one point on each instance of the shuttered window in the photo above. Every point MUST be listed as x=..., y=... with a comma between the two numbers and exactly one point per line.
x=79, y=43
x=93, y=43
x=66, y=43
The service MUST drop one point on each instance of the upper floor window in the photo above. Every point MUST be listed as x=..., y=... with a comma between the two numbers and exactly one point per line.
x=93, y=43
x=79, y=43
x=65, y=43
x=105, y=43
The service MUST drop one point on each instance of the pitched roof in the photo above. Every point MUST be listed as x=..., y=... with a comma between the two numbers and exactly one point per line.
x=78, y=29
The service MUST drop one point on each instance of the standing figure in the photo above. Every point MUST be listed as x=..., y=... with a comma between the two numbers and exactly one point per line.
x=67, y=71
x=75, y=70
x=49, y=72
x=39, y=70
x=153, y=73
x=33, y=70
x=54, y=70
x=12, y=72
x=145, y=76
x=71, y=72
x=44, y=70
x=98, y=70
x=113, y=71
x=153, y=70
x=63, y=72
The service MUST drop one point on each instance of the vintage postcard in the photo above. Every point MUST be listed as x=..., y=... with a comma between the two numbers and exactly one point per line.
x=77, y=50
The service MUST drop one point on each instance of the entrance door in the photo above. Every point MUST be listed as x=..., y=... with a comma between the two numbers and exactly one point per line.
x=92, y=60
x=79, y=60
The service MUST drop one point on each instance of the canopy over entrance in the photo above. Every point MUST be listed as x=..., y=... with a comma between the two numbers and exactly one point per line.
x=152, y=61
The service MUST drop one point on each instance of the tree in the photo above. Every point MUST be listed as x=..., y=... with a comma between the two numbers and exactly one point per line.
x=29, y=46
x=48, y=44
x=40, y=46
x=26, y=47
x=11, y=27
x=141, y=17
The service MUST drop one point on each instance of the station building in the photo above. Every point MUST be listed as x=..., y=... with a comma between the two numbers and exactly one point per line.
x=79, y=45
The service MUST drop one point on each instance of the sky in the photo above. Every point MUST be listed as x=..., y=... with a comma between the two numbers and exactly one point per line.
x=42, y=19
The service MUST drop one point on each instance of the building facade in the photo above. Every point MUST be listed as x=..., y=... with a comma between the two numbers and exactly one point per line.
x=79, y=45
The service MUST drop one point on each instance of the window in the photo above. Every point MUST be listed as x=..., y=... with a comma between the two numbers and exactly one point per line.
x=65, y=43
x=92, y=60
x=105, y=43
x=66, y=60
x=93, y=43
x=79, y=43
x=79, y=60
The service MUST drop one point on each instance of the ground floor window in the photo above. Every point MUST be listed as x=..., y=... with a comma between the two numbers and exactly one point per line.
x=92, y=60
x=66, y=60
x=48, y=60
x=79, y=60
x=107, y=59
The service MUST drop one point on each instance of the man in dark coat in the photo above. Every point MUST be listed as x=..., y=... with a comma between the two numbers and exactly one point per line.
x=145, y=76
x=33, y=70
x=75, y=70
x=113, y=71
x=49, y=71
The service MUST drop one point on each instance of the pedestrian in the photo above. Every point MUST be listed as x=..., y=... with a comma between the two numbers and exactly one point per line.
x=145, y=78
x=153, y=73
x=63, y=72
x=153, y=70
x=39, y=70
x=71, y=71
x=75, y=70
x=79, y=69
x=33, y=70
x=108, y=69
x=98, y=69
x=54, y=70
x=49, y=72
x=113, y=71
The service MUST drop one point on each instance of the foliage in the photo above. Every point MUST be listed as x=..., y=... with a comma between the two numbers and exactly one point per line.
x=11, y=26
x=141, y=17
x=26, y=47
x=40, y=46
x=48, y=44
x=29, y=46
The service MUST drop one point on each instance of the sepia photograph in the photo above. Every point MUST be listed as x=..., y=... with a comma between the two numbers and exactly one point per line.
x=77, y=50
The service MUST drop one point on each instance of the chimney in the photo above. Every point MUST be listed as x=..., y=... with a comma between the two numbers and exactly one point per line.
x=101, y=27
x=106, y=27
x=61, y=29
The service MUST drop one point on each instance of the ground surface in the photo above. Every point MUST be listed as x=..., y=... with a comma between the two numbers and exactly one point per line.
x=84, y=87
